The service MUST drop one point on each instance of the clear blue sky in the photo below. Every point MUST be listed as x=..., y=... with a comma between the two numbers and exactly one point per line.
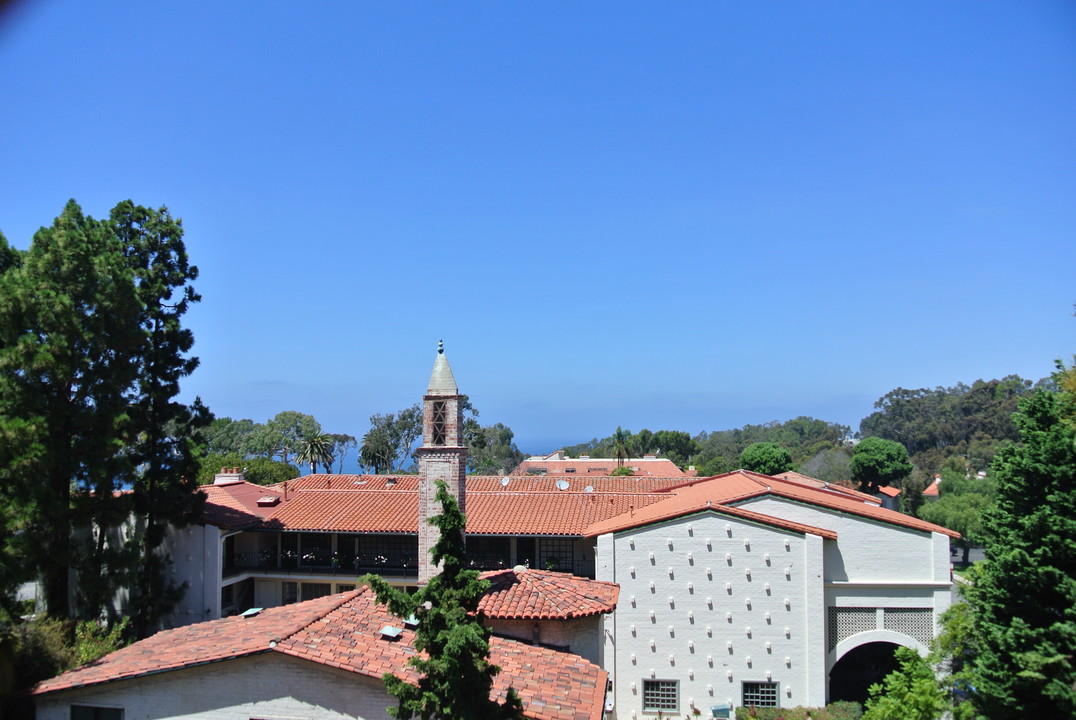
x=689, y=215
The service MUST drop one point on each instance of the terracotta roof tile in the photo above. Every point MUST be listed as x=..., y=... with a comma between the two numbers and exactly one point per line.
x=544, y=595
x=808, y=481
x=343, y=631
x=236, y=504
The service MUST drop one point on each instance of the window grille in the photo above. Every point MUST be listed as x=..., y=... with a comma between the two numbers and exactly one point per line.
x=289, y=592
x=556, y=554
x=916, y=623
x=844, y=622
x=661, y=695
x=440, y=422
x=489, y=553
x=760, y=694
x=316, y=590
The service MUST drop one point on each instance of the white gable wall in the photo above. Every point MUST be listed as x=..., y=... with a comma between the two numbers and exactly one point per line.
x=712, y=602
x=882, y=582
x=269, y=685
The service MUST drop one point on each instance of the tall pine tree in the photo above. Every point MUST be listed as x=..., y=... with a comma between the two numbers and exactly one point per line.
x=456, y=676
x=1024, y=597
x=91, y=353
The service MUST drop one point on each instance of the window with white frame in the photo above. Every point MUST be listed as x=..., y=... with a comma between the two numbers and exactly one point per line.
x=760, y=694
x=661, y=695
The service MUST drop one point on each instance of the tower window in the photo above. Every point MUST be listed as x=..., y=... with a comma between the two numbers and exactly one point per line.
x=440, y=423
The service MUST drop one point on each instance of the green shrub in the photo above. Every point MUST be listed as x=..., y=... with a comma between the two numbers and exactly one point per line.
x=842, y=710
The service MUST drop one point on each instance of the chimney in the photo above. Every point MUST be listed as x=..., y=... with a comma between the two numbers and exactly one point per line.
x=228, y=476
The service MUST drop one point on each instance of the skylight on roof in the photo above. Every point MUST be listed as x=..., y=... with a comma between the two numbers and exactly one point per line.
x=391, y=632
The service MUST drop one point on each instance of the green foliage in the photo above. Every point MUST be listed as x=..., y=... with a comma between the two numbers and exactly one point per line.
x=388, y=444
x=935, y=424
x=93, y=641
x=960, y=506
x=225, y=436
x=767, y=458
x=833, y=465
x=456, y=677
x=1024, y=595
x=622, y=445
x=315, y=450
x=877, y=462
x=491, y=450
x=803, y=437
x=259, y=470
x=842, y=710
x=911, y=692
x=622, y=470
x=283, y=435
x=92, y=350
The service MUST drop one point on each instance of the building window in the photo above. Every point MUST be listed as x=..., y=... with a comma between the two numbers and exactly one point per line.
x=440, y=423
x=85, y=712
x=760, y=694
x=489, y=553
x=342, y=588
x=556, y=554
x=289, y=592
x=661, y=695
x=312, y=591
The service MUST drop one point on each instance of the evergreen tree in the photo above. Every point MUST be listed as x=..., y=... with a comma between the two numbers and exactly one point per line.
x=766, y=458
x=456, y=677
x=1024, y=596
x=91, y=354
x=69, y=336
x=877, y=462
x=911, y=692
x=161, y=447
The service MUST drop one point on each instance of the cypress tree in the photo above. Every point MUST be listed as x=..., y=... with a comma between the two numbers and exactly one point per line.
x=456, y=676
x=1024, y=597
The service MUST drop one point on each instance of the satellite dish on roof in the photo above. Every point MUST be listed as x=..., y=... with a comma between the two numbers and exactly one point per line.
x=562, y=484
x=505, y=481
x=588, y=488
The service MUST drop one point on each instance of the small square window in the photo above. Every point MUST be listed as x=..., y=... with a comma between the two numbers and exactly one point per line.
x=760, y=694
x=661, y=695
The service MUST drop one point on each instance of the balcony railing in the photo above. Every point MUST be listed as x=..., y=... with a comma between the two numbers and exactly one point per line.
x=315, y=564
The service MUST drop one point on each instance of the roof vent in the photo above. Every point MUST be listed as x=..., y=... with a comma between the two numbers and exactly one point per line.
x=391, y=632
x=268, y=500
x=390, y=482
x=253, y=612
x=411, y=621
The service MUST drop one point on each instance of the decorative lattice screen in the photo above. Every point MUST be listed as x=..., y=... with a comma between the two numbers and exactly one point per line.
x=844, y=622
x=917, y=623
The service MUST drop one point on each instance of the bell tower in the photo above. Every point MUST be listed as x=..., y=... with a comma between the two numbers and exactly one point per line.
x=443, y=456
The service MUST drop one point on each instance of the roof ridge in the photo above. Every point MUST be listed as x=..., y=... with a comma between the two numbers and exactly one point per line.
x=304, y=623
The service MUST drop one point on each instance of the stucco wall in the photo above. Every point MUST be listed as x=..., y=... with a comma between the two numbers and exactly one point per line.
x=712, y=602
x=262, y=686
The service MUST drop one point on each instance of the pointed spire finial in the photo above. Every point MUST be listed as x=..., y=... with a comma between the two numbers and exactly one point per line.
x=440, y=347
x=441, y=380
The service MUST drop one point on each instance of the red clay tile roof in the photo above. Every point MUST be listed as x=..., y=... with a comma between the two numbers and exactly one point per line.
x=235, y=505
x=932, y=489
x=740, y=485
x=808, y=481
x=545, y=595
x=343, y=631
x=697, y=499
x=488, y=513
x=889, y=491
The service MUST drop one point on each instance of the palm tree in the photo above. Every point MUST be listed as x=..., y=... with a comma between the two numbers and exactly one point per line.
x=316, y=450
x=621, y=445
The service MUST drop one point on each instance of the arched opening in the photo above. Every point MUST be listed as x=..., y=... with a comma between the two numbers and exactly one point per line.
x=860, y=668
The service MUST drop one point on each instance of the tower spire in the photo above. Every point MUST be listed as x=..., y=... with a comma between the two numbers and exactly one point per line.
x=442, y=456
